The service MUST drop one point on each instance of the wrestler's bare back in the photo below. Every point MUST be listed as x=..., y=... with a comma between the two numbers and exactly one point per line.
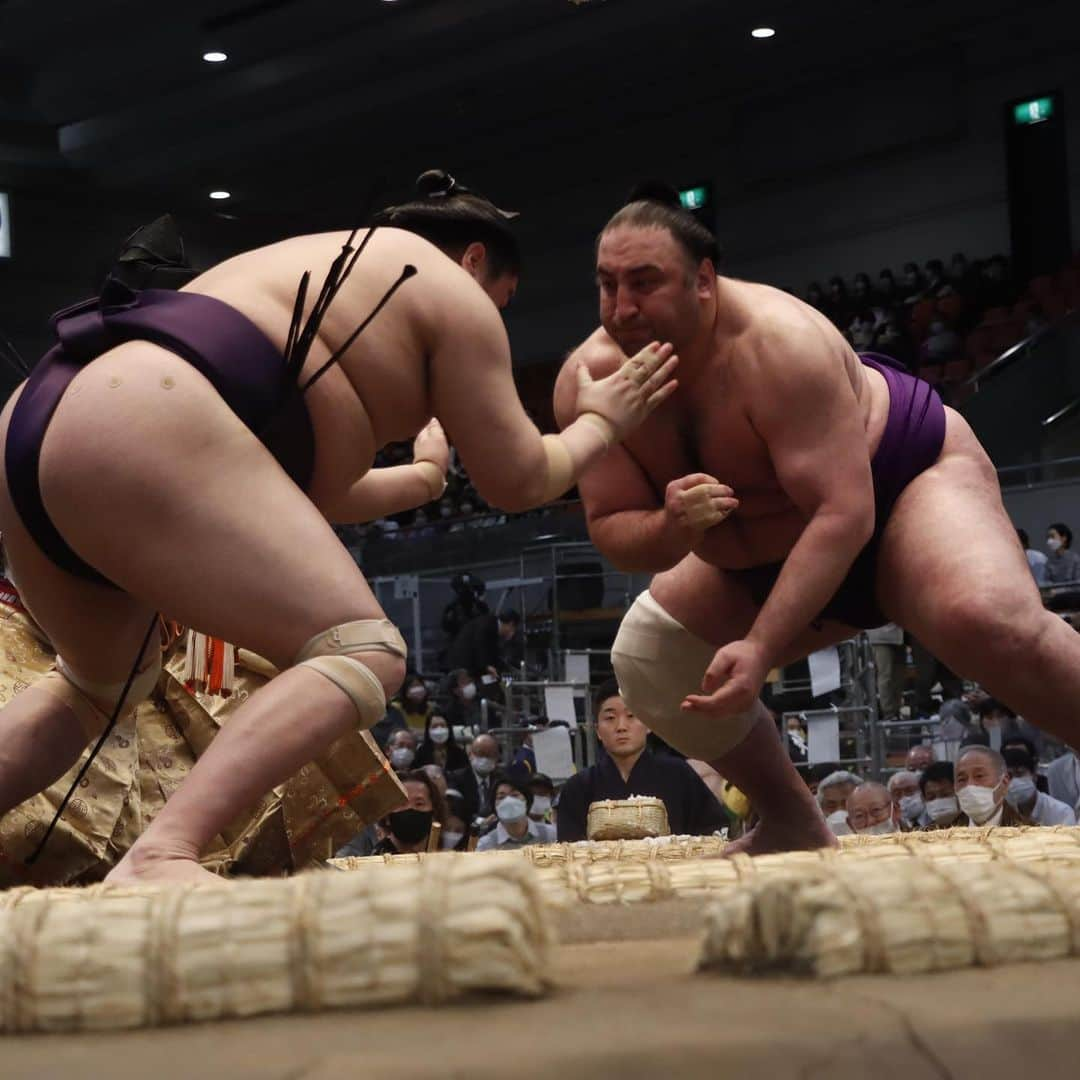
x=706, y=425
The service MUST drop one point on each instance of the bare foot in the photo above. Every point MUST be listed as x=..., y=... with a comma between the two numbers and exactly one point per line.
x=768, y=837
x=138, y=867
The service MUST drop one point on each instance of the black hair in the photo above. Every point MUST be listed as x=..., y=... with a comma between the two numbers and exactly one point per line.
x=1025, y=540
x=992, y=705
x=1022, y=740
x=607, y=689
x=541, y=780
x=451, y=216
x=1018, y=757
x=1062, y=530
x=936, y=770
x=519, y=781
x=510, y=615
x=652, y=204
x=816, y=773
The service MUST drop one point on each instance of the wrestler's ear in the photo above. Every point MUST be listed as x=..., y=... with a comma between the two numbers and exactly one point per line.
x=475, y=259
x=705, y=279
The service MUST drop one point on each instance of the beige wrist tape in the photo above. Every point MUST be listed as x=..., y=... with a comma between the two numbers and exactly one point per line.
x=433, y=476
x=603, y=425
x=560, y=468
x=698, y=506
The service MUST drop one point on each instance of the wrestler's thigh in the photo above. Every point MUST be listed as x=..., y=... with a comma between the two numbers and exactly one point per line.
x=97, y=630
x=716, y=606
x=949, y=550
x=152, y=479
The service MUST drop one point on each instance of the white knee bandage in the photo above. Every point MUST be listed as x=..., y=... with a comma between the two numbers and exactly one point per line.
x=657, y=662
x=94, y=702
x=325, y=653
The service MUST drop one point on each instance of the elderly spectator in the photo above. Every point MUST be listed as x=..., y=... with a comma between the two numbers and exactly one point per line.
x=1025, y=796
x=909, y=810
x=629, y=768
x=515, y=829
x=1036, y=559
x=982, y=779
x=1063, y=564
x=870, y=810
x=832, y=797
x=543, y=793
x=474, y=782
x=439, y=747
x=938, y=788
x=402, y=749
x=816, y=773
x=919, y=757
x=408, y=830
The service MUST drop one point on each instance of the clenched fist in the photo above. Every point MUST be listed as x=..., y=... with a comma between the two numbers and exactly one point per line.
x=698, y=502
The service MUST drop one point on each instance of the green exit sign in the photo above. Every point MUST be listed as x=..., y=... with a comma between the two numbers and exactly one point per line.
x=694, y=198
x=1033, y=112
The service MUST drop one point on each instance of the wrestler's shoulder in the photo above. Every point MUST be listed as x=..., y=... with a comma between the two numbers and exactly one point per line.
x=782, y=329
x=598, y=352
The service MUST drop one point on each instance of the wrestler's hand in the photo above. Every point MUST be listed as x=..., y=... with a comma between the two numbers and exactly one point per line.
x=431, y=445
x=732, y=681
x=697, y=502
x=625, y=397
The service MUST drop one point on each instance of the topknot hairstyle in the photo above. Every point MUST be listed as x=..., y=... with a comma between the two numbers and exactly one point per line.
x=654, y=204
x=452, y=216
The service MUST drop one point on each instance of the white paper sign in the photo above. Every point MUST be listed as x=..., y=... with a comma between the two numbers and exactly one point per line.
x=824, y=671
x=559, y=704
x=5, y=226
x=577, y=670
x=823, y=738
x=554, y=756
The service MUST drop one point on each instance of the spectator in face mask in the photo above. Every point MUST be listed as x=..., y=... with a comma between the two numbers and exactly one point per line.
x=870, y=810
x=1063, y=779
x=402, y=750
x=909, y=811
x=463, y=704
x=413, y=702
x=513, y=798
x=1062, y=564
x=456, y=831
x=543, y=793
x=439, y=746
x=832, y=797
x=1024, y=796
x=475, y=781
x=939, y=793
x=982, y=779
x=408, y=829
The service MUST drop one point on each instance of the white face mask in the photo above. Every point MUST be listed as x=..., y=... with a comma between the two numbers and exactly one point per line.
x=940, y=809
x=1021, y=790
x=541, y=805
x=468, y=691
x=978, y=803
x=512, y=808
x=401, y=757
x=1053, y=544
x=912, y=806
x=416, y=693
x=838, y=822
x=450, y=840
x=439, y=735
x=882, y=828
x=483, y=766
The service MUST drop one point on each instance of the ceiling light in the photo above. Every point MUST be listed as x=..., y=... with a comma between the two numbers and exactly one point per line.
x=215, y=56
x=763, y=32
x=220, y=194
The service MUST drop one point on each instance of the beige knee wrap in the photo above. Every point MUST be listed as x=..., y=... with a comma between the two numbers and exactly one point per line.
x=325, y=653
x=92, y=702
x=658, y=662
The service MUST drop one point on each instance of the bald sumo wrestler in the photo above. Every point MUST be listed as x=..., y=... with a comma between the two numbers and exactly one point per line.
x=186, y=452
x=845, y=484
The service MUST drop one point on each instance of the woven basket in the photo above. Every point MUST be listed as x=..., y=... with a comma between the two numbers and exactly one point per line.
x=627, y=819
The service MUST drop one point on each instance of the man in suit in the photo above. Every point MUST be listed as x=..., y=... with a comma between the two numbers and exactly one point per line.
x=475, y=782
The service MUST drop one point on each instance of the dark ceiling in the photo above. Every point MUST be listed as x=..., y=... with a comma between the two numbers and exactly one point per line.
x=332, y=104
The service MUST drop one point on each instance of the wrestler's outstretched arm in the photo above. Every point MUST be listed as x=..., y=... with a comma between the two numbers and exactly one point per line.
x=393, y=489
x=629, y=521
x=511, y=464
x=808, y=416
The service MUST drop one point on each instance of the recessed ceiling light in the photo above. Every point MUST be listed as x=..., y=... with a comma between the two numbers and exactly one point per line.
x=763, y=32
x=220, y=194
x=215, y=57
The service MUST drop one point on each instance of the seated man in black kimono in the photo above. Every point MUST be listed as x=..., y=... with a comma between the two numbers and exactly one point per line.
x=629, y=768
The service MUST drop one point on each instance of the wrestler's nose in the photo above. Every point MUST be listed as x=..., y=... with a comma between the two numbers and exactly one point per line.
x=626, y=308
